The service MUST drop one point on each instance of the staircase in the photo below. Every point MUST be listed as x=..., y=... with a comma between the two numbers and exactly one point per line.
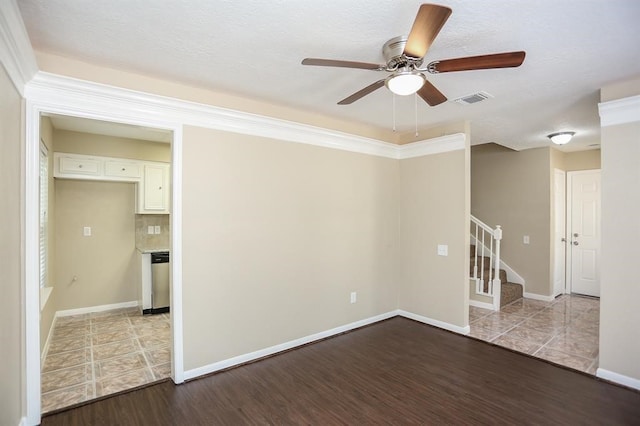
x=509, y=292
x=484, y=266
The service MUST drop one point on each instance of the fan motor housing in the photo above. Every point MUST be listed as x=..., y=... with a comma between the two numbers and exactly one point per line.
x=393, y=54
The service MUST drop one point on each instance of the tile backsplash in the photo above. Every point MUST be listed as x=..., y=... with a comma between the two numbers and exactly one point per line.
x=147, y=241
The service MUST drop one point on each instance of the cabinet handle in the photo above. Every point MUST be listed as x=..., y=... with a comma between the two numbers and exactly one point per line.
x=80, y=166
x=123, y=169
x=159, y=187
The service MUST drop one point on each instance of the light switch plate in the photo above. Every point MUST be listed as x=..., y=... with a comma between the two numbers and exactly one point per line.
x=150, y=230
x=86, y=231
x=443, y=250
x=157, y=229
x=525, y=239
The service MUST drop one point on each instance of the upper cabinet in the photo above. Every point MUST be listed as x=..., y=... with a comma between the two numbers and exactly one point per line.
x=152, y=179
x=153, y=192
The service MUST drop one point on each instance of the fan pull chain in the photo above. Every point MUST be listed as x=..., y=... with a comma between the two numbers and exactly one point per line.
x=415, y=104
x=393, y=97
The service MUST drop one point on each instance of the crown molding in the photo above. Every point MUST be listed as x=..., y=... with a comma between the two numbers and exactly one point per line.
x=620, y=111
x=16, y=53
x=94, y=100
x=432, y=146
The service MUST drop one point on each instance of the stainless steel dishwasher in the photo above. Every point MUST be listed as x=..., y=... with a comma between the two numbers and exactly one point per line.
x=160, y=267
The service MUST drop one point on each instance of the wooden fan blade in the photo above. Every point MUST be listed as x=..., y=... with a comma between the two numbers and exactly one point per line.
x=431, y=95
x=362, y=93
x=498, y=60
x=428, y=23
x=342, y=64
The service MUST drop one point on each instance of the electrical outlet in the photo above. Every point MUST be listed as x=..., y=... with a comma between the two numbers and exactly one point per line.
x=86, y=231
x=525, y=239
x=157, y=229
x=443, y=250
x=150, y=230
x=354, y=297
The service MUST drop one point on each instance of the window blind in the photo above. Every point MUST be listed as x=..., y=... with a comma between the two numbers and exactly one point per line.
x=44, y=212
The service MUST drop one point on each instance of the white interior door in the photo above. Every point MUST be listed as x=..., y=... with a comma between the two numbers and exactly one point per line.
x=559, y=242
x=584, y=232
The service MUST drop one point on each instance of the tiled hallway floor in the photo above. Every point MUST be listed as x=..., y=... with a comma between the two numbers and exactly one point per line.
x=565, y=331
x=96, y=354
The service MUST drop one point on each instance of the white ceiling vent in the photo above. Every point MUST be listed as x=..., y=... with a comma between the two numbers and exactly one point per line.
x=473, y=98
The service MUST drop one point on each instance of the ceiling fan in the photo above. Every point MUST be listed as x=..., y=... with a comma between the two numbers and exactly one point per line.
x=404, y=57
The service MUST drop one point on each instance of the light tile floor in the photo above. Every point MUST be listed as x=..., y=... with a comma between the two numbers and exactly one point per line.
x=564, y=331
x=96, y=354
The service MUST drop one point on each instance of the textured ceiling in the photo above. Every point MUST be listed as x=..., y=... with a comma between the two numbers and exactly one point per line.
x=254, y=48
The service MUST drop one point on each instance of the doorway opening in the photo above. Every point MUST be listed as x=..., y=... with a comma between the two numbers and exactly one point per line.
x=108, y=206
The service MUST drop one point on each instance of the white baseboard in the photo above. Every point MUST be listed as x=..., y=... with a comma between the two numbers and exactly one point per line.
x=538, y=297
x=434, y=322
x=45, y=349
x=241, y=359
x=99, y=308
x=618, y=378
x=23, y=422
x=483, y=305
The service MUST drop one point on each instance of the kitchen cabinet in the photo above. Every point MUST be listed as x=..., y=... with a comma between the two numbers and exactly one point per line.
x=83, y=166
x=153, y=191
x=119, y=168
x=152, y=179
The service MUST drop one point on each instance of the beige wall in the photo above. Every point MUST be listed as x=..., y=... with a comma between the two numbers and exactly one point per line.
x=513, y=189
x=621, y=89
x=48, y=312
x=11, y=301
x=109, y=146
x=619, y=288
x=582, y=160
x=434, y=210
x=276, y=237
x=103, y=262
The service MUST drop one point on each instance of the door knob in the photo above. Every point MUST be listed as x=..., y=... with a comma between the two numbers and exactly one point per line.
x=575, y=243
x=575, y=234
x=563, y=239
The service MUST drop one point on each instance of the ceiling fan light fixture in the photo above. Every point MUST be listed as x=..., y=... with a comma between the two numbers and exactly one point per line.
x=405, y=82
x=561, y=138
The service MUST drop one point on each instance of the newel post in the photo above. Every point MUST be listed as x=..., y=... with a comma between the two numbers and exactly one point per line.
x=496, y=277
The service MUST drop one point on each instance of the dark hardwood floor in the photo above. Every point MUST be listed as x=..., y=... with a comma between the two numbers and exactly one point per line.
x=395, y=372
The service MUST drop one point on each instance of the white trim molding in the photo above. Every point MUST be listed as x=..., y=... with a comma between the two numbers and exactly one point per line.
x=535, y=296
x=619, y=111
x=618, y=378
x=46, y=89
x=252, y=356
x=16, y=53
x=45, y=349
x=432, y=146
x=435, y=322
x=483, y=305
x=98, y=308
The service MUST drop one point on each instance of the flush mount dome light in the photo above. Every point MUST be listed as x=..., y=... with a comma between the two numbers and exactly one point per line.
x=405, y=82
x=561, y=138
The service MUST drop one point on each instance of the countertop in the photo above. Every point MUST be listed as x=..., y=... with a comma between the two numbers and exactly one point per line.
x=153, y=250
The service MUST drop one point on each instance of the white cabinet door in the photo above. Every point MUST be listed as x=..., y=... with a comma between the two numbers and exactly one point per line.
x=155, y=190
